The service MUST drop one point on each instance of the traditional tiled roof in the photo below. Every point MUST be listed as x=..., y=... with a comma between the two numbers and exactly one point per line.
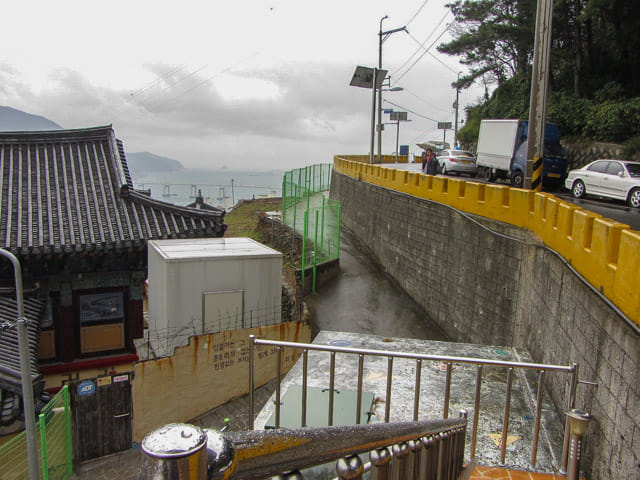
x=10, y=372
x=202, y=205
x=65, y=191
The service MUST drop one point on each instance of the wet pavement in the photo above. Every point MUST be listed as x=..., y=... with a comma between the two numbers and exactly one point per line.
x=364, y=299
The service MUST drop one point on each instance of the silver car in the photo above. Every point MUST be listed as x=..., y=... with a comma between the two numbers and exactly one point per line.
x=617, y=179
x=457, y=162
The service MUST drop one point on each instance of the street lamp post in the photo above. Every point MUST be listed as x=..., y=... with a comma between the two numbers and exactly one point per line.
x=367, y=77
x=382, y=36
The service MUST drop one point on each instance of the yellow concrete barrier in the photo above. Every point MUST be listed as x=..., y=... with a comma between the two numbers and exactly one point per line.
x=605, y=252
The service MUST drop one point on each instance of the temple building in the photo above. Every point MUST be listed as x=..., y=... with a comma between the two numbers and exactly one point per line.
x=71, y=215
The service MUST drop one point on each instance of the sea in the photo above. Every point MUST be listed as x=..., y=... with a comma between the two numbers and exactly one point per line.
x=222, y=188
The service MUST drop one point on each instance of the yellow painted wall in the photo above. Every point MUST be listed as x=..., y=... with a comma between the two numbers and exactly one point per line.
x=53, y=380
x=605, y=252
x=208, y=372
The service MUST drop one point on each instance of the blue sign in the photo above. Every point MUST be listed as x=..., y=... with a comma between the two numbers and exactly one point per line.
x=86, y=388
x=388, y=111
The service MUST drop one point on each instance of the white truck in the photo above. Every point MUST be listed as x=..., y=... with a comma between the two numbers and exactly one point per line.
x=502, y=152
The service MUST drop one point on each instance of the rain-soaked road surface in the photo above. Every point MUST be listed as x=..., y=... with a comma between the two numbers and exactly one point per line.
x=364, y=299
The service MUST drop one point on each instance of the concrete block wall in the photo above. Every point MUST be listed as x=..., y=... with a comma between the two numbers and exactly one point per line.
x=494, y=282
x=591, y=243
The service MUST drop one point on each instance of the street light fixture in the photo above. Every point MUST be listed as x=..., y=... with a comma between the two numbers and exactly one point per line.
x=367, y=77
x=382, y=36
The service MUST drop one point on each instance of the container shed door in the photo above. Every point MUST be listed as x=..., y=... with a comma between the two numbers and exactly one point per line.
x=101, y=412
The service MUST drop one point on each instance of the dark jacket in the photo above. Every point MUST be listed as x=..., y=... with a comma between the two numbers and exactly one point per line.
x=429, y=164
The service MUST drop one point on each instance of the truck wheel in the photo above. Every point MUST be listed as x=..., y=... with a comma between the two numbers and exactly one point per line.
x=634, y=198
x=579, y=191
x=488, y=175
x=517, y=180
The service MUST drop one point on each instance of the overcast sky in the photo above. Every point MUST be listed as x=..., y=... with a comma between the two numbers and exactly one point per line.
x=244, y=84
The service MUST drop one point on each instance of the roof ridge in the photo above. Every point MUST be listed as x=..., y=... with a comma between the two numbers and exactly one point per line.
x=58, y=135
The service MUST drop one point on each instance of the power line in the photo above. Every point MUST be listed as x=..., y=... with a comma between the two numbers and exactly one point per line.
x=425, y=101
x=426, y=50
x=418, y=12
x=443, y=64
x=411, y=111
x=421, y=45
x=206, y=80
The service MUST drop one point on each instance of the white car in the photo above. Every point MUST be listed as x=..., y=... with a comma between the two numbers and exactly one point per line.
x=457, y=162
x=617, y=179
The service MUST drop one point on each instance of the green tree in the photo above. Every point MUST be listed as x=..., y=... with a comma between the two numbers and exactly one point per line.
x=494, y=38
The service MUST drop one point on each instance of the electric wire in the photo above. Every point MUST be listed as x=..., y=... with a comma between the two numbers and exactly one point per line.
x=417, y=12
x=410, y=111
x=204, y=81
x=421, y=46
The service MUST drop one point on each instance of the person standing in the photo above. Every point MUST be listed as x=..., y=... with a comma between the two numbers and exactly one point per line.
x=429, y=162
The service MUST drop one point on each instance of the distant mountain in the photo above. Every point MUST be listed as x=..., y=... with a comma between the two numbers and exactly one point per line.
x=12, y=120
x=145, y=162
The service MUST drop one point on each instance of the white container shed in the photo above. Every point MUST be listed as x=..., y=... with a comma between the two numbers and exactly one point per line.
x=210, y=285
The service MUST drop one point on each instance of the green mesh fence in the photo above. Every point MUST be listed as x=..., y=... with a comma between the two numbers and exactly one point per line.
x=307, y=209
x=53, y=432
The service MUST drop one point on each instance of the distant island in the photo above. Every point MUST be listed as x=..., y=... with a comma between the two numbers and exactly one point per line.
x=144, y=162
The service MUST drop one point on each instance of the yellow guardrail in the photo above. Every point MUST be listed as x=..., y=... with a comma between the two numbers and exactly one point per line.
x=380, y=160
x=605, y=252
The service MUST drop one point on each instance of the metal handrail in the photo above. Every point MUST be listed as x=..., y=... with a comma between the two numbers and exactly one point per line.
x=419, y=358
x=399, y=450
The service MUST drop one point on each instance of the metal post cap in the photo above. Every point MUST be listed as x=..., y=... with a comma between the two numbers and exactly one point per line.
x=220, y=453
x=173, y=440
x=578, y=421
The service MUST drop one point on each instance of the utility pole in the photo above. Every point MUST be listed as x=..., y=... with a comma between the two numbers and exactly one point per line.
x=382, y=36
x=538, y=98
x=455, y=105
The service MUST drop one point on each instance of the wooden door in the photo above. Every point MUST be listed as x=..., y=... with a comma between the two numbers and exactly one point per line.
x=101, y=413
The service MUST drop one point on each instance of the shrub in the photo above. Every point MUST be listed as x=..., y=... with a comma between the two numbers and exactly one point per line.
x=632, y=148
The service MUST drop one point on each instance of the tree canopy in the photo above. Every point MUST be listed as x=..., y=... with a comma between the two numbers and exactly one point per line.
x=595, y=62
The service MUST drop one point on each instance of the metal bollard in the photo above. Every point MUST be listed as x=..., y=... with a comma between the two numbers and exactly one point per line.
x=350, y=468
x=175, y=452
x=380, y=464
x=578, y=424
x=401, y=461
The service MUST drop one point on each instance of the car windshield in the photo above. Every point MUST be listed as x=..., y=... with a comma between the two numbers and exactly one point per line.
x=634, y=169
x=554, y=150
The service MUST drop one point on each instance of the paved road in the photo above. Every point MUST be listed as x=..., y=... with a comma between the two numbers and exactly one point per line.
x=614, y=209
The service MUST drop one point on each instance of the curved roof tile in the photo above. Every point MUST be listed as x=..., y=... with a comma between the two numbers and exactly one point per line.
x=66, y=191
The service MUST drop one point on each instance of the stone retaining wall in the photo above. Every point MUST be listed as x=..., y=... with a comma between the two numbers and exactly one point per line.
x=489, y=282
x=581, y=152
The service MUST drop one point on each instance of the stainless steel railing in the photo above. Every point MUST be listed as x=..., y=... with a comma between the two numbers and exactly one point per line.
x=429, y=449
x=450, y=361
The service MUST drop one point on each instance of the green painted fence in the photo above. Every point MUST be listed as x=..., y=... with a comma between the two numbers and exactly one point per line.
x=54, y=449
x=307, y=209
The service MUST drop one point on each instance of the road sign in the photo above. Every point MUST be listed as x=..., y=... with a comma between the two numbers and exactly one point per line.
x=444, y=125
